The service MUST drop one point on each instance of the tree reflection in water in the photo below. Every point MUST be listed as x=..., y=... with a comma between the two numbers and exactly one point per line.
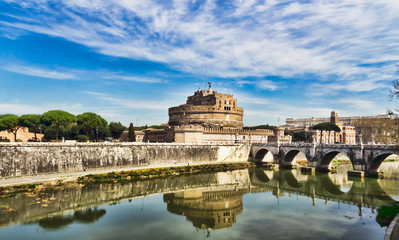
x=85, y=216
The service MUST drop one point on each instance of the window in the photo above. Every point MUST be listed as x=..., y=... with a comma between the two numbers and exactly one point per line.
x=227, y=108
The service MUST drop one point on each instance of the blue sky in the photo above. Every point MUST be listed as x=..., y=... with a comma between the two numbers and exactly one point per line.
x=130, y=61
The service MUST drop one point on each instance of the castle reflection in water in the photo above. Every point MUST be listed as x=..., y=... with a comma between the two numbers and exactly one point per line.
x=208, y=201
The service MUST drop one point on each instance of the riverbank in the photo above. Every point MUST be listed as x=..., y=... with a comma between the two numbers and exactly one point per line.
x=393, y=229
x=112, y=175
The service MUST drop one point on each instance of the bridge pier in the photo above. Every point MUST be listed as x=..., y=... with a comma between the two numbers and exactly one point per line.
x=356, y=174
x=308, y=169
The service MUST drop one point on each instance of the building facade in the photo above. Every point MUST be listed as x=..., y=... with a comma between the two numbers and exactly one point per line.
x=23, y=135
x=347, y=135
x=291, y=123
x=213, y=118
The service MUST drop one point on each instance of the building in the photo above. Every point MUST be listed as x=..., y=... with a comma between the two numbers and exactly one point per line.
x=382, y=129
x=124, y=136
x=347, y=135
x=291, y=123
x=211, y=117
x=23, y=135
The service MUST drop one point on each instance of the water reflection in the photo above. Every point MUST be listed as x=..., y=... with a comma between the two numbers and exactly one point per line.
x=207, y=201
x=85, y=216
x=207, y=209
x=390, y=170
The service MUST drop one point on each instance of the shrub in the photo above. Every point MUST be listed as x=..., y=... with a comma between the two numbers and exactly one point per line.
x=82, y=138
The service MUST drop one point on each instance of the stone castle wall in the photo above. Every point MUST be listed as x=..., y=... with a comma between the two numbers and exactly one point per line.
x=206, y=115
x=22, y=159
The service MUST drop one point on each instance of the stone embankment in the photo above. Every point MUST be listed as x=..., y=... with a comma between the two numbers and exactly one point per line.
x=27, y=159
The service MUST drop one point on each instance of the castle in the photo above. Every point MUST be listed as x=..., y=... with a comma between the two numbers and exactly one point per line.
x=211, y=117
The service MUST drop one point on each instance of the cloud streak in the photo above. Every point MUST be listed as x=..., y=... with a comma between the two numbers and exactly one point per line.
x=38, y=72
x=137, y=79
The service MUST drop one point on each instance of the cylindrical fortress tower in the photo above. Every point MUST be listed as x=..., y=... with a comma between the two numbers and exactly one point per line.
x=209, y=109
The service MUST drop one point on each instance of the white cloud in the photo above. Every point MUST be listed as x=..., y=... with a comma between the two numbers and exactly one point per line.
x=132, y=103
x=135, y=78
x=38, y=72
x=253, y=39
x=19, y=109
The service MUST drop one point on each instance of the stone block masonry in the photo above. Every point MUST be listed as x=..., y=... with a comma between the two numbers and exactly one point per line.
x=25, y=159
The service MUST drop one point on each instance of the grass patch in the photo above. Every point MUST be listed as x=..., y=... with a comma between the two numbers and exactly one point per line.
x=126, y=176
x=386, y=214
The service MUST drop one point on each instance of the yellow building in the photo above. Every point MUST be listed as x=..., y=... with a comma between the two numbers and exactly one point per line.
x=347, y=135
x=23, y=135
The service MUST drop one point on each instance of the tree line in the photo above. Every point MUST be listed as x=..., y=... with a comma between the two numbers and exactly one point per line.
x=56, y=124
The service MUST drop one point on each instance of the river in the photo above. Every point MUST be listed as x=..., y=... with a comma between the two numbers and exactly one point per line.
x=243, y=204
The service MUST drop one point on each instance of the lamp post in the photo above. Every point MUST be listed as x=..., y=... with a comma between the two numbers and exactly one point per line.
x=97, y=133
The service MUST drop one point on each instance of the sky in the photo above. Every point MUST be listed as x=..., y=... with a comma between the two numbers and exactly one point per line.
x=130, y=60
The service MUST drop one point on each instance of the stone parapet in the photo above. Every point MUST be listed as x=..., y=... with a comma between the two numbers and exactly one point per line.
x=22, y=159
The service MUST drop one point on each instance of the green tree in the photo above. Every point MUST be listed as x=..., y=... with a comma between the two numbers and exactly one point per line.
x=130, y=134
x=103, y=132
x=31, y=121
x=57, y=117
x=116, y=129
x=326, y=126
x=50, y=133
x=90, y=123
x=300, y=136
x=72, y=130
x=10, y=123
x=288, y=132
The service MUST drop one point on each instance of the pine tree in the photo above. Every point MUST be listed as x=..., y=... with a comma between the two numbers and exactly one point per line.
x=131, y=135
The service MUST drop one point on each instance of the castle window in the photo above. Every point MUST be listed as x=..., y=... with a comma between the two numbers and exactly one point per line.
x=227, y=108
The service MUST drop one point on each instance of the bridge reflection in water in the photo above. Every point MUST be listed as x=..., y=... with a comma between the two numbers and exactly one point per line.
x=208, y=201
x=218, y=208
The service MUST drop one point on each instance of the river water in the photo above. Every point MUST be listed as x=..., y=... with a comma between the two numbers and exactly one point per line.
x=242, y=204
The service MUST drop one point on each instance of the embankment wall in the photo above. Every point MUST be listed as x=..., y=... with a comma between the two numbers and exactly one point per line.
x=24, y=159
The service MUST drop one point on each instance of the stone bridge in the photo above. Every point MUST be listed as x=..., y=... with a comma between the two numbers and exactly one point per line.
x=366, y=158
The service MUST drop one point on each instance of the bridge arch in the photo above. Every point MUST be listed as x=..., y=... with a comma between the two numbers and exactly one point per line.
x=289, y=156
x=259, y=175
x=376, y=163
x=330, y=186
x=291, y=180
x=326, y=159
x=260, y=155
